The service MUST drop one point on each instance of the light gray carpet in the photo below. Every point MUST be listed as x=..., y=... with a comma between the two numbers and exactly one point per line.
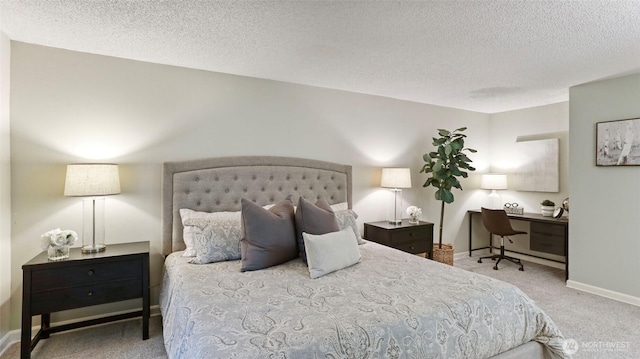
x=593, y=322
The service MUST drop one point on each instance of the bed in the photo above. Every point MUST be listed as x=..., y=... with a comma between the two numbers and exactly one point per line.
x=389, y=305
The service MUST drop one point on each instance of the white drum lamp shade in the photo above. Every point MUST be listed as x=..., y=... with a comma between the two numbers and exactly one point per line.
x=494, y=182
x=92, y=180
x=396, y=179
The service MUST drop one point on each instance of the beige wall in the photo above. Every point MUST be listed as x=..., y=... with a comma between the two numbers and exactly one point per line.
x=604, y=241
x=74, y=107
x=5, y=187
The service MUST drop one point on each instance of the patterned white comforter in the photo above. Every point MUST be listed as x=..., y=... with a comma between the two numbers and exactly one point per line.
x=390, y=305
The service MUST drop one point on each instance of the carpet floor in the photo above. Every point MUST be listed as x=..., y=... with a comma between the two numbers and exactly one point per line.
x=602, y=328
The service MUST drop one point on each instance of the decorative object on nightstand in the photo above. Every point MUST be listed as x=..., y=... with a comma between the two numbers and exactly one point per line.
x=547, y=207
x=121, y=273
x=56, y=243
x=410, y=238
x=93, y=180
x=414, y=214
x=444, y=165
x=396, y=179
x=493, y=182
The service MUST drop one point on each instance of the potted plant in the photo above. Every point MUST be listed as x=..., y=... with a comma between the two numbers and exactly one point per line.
x=547, y=208
x=444, y=166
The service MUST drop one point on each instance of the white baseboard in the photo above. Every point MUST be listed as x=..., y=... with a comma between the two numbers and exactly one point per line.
x=621, y=297
x=14, y=335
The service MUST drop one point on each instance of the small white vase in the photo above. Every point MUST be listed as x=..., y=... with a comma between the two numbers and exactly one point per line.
x=547, y=211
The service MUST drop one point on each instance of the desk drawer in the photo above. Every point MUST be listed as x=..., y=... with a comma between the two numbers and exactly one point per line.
x=547, y=228
x=85, y=274
x=547, y=243
x=409, y=235
x=84, y=296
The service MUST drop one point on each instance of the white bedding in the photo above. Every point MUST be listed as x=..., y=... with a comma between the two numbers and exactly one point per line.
x=390, y=305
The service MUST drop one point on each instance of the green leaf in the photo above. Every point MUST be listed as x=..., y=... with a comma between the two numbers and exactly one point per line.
x=460, y=129
x=447, y=196
x=472, y=150
x=443, y=133
x=457, y=144
x=454, y=170
x=447, y=150
x=463, y=157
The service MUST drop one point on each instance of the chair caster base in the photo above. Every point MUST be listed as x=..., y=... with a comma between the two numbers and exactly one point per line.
x=479, y=260
x=495, y=267
x=521, y=269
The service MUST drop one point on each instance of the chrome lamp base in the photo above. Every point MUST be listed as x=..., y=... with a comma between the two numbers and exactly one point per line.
x=94, y=248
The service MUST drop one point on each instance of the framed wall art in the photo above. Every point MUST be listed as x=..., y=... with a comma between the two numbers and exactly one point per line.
x=538, y=169
x=617, y=143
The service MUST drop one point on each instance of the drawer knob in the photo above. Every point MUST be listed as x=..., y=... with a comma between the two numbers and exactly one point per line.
x=90, y=294
x=90, y=272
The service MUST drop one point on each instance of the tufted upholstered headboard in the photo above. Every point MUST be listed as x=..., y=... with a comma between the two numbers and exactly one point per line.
x=218, y=184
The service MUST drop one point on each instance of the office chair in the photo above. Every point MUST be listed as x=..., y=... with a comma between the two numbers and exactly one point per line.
x=497, y=222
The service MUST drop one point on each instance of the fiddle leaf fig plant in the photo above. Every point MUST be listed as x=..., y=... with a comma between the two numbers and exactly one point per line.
x=445, y=165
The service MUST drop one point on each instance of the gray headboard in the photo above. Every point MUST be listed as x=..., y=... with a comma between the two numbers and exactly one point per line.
x=218, y=184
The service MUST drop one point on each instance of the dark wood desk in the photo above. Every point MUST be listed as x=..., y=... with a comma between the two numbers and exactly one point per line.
x=547, y=234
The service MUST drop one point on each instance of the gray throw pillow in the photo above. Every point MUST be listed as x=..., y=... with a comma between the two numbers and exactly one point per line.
x=331, y=252
x=315, y=219
x=269, y=235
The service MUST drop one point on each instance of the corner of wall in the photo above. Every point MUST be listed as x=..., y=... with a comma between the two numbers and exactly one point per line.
x=5, y=186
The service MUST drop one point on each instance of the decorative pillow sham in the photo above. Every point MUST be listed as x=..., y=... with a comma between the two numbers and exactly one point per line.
x=330, y=252
x=312, y=218
x=211, y=237
x=269, y=235
x=342, y=206
x=347, y=219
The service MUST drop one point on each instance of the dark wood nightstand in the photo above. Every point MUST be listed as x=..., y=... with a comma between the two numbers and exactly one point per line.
x=119, y=273
x=411, y=238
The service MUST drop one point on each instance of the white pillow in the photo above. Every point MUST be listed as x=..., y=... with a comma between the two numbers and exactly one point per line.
x=211, y=237
x=330, y=252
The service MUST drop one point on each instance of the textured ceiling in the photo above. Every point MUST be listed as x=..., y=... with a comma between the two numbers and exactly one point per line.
x=487, y=56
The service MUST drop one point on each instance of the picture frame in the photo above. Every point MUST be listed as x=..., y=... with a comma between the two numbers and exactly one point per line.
x=618, y=143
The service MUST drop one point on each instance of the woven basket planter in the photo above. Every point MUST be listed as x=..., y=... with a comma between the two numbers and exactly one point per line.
x=444, y=254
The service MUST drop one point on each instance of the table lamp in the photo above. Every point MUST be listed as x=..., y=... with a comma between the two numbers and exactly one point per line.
x=92, y=180
x=494, y=182
x=396, y=179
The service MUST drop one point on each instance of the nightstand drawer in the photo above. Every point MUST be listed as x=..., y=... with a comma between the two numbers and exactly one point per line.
x=413, y=248
x=408, y=235
x=85, y=274
x=69, y=298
